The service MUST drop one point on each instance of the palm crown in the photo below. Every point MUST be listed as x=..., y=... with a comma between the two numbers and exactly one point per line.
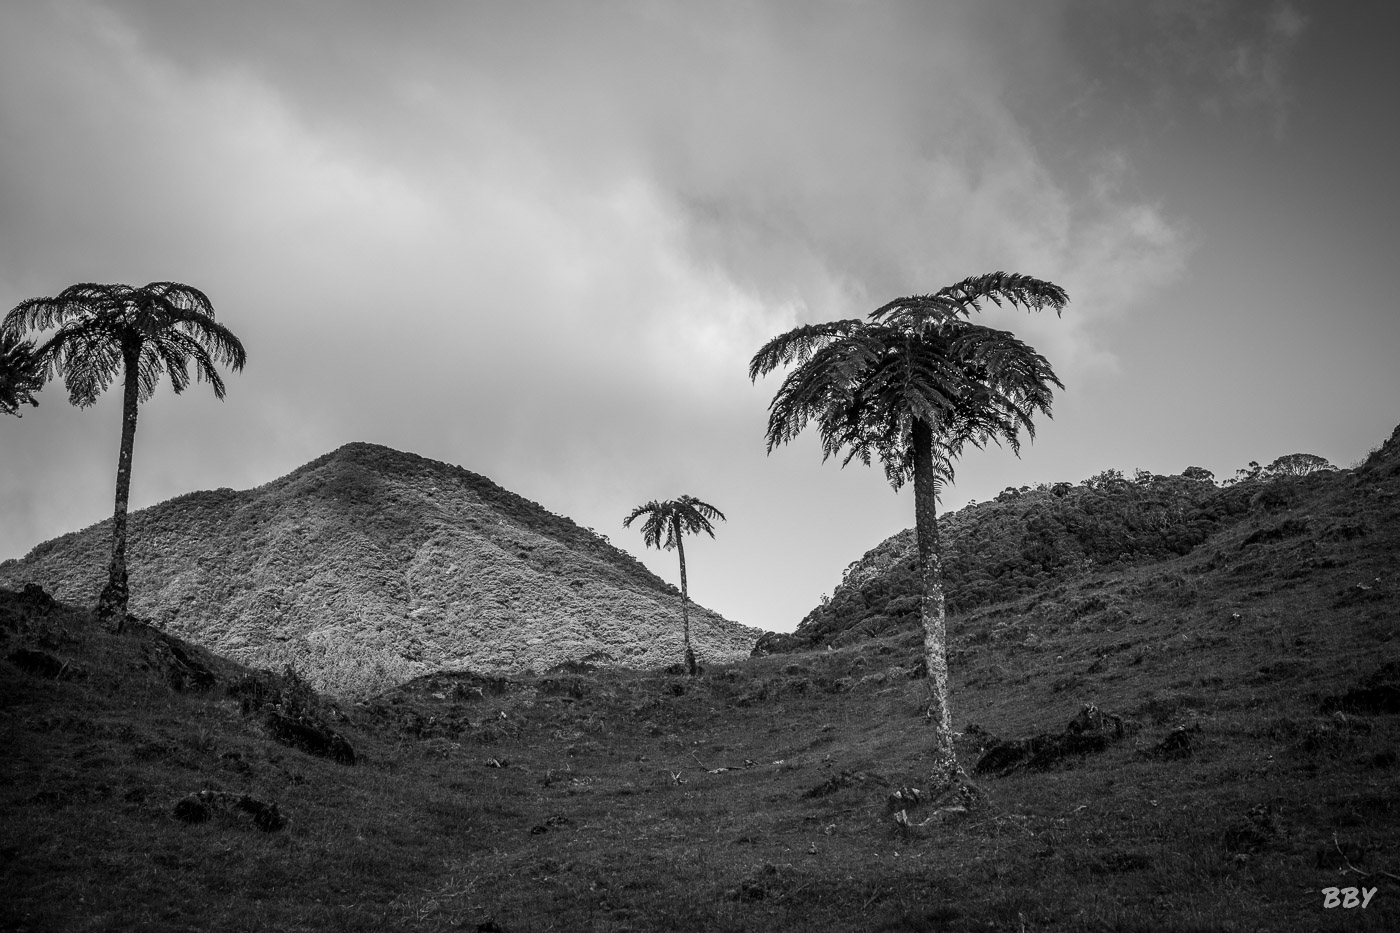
x=667, y=521
x=917, y=359
x=161, y=328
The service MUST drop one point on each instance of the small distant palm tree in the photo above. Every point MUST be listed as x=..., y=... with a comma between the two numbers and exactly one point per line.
x=913, y=385
x=21, y=375
x=106, y=332
x=666, y=525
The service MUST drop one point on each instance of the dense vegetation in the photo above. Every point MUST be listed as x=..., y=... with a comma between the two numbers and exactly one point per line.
x=1033, y=537
x=368, y=567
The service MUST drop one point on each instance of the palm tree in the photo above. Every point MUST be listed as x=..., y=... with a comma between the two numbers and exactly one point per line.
x=21, y=375
x=666, y=525
x=913, y=385
x=138, y=334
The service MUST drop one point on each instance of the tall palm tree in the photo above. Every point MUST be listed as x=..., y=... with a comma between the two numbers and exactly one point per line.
x=666, y=525
x=21, y=375
x=913, y=385
x=109, y=331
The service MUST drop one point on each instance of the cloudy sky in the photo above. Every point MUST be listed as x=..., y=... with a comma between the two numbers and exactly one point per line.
x=542, y=240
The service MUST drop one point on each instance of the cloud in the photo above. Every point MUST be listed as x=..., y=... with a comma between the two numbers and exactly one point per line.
x=538, y=239
x=1164, y=62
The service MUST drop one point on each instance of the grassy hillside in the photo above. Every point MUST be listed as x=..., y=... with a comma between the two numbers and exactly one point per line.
x=369, y=566
x=1248, y=694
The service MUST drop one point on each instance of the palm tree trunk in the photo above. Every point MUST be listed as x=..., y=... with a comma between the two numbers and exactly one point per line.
x=111, y=604
x=931, y=606
x=690, y=665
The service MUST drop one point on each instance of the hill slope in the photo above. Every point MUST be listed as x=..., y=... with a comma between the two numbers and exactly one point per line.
x=1030, y=543
x=147, y=785
x=368, y=566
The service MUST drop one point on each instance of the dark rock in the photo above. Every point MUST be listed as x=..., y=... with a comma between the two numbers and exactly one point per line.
x=28, y=603
x=1177, y=744
x=1378, y=693
x=43, y=664
x=1254, y=831
x=1091, y=730
x=903, y=798
x=192, y=810
x=183, y=669
x=551, y=823
x=312, y=738
x=203, y=806
x=843, y=780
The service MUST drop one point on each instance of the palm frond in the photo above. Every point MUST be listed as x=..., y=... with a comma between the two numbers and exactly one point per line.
x=921, y=312
x=21, y=374
x=797, y=345
x=673, y=517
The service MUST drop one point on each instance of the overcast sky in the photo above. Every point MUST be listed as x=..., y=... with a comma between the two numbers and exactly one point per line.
x=542, y=240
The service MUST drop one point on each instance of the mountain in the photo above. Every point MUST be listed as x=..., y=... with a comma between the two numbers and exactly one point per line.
x=369, y=566
x=1035, y=541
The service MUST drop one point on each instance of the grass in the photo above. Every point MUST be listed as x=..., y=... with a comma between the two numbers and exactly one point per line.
x=751, y=798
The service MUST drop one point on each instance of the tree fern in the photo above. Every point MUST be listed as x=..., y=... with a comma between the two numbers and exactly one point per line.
x=106, y=332
x=667, y=523
x=913, y=385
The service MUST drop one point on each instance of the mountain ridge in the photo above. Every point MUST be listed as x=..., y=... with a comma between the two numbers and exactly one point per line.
x=369, y=566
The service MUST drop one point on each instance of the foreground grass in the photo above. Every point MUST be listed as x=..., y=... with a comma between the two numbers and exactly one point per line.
x=751, y=798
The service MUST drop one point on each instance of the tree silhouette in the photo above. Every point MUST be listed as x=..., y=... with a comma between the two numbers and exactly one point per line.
x=105, y=332
x=912, y=385
x=1299, y=465
x=21, y=375
x=666, y=525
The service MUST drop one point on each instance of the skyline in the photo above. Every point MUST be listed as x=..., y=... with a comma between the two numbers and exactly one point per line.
x=553, y=236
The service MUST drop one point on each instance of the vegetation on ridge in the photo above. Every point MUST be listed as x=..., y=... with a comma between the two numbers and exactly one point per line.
x=1030, y=538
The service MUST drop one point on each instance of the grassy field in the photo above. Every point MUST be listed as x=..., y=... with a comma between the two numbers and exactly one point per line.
x=755, y=797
